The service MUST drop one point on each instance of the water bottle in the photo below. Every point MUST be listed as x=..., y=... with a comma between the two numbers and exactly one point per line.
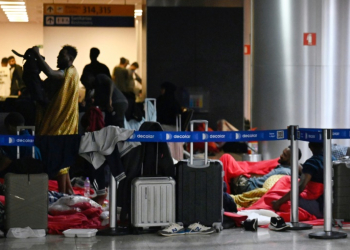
x=87, y=187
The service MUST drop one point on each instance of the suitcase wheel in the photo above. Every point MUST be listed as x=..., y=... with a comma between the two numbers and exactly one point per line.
x=218, y=227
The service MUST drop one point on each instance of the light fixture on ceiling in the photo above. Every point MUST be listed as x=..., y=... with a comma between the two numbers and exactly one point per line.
x=14, y=3
x=15, y=11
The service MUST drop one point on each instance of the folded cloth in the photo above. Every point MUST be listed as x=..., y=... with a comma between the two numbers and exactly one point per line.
x=94, y=146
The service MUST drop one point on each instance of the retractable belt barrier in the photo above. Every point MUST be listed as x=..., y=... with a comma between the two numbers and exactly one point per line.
x=316, y=135
x=17, y=140
x=167, y=136
x=293, y=133
x=152, y=136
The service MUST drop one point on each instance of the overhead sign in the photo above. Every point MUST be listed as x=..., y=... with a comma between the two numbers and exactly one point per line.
x=89, y=15
x=247, y=49
x=309, y=39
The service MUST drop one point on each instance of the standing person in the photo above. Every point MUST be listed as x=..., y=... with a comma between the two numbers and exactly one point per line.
x=133, y=67
x=95, y=67
x=60, y=116
x=125, y=83
x=5, y=82
x=108, y=97
x=121, y=75
x=16, y=72
x=137, y=82
x=167, y=105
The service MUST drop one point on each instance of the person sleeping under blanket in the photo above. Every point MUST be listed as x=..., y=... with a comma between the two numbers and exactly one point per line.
x=247, y=199
x=241, y=183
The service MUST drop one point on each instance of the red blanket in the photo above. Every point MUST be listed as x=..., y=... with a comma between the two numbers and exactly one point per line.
x=311, y=192
x=233, y=168
x=88, y=218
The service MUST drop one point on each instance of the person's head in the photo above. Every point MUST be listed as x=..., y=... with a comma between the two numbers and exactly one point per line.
x=167, y=88
x=12, y=121
x=94, y=53
x=316, y=147
x=285, y=157
x=66, y=56
x=11, y=61
x=4, y=61
x=134, y=66
x=123, y=62
x=88, y=80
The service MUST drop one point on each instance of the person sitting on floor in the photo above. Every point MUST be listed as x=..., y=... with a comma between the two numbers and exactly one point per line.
x=243, y=184
x=312, y=171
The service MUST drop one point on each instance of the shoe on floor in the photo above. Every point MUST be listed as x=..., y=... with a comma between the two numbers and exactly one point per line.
x=172, y=230
x=278, y=224
x=197, y=228
x=251, y=225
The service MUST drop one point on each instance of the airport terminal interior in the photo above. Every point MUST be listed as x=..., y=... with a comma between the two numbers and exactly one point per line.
x=274, y=70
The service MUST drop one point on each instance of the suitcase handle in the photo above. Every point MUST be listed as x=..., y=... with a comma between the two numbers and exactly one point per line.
x=19, y=128
x=148, y=100
x=206, y=162
x=178, y=122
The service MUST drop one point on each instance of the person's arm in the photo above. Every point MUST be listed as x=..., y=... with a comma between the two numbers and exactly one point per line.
x=109, y=86
x=113, y=75
x=21, y=84
x=304, y=180
x=55, y=74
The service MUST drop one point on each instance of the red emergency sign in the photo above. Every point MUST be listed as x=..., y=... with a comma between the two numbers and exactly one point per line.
x=247, y=49
x=309, y=39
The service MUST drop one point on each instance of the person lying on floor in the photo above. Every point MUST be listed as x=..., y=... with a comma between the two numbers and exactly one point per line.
x=243, y=184
x=312, y=171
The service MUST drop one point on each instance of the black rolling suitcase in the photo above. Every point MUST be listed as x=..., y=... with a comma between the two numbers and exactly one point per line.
x=341, y=189
x=199, y=195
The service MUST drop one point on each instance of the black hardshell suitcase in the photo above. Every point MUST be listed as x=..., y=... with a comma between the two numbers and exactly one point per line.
x=26, y=198
x=199, y=194
x=341, y=189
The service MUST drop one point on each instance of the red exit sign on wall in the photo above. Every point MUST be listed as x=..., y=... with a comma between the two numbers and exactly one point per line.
x=247, y=49
x=309, y=39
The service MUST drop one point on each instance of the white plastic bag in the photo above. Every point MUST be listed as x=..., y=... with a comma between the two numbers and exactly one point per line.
x=22, y=233
x=57, y=209
x=73, y=200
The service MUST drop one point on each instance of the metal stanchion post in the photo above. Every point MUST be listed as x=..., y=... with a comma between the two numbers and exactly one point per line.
x=294, y=213
x=327, y=181
x=113, y=229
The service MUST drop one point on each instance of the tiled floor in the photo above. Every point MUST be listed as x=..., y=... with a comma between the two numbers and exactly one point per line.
x=263, y=239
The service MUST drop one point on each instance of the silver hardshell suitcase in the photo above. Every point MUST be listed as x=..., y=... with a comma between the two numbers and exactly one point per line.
x=152, y=201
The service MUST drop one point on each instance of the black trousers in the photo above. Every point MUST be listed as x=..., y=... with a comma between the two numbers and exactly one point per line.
x=116, y=118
